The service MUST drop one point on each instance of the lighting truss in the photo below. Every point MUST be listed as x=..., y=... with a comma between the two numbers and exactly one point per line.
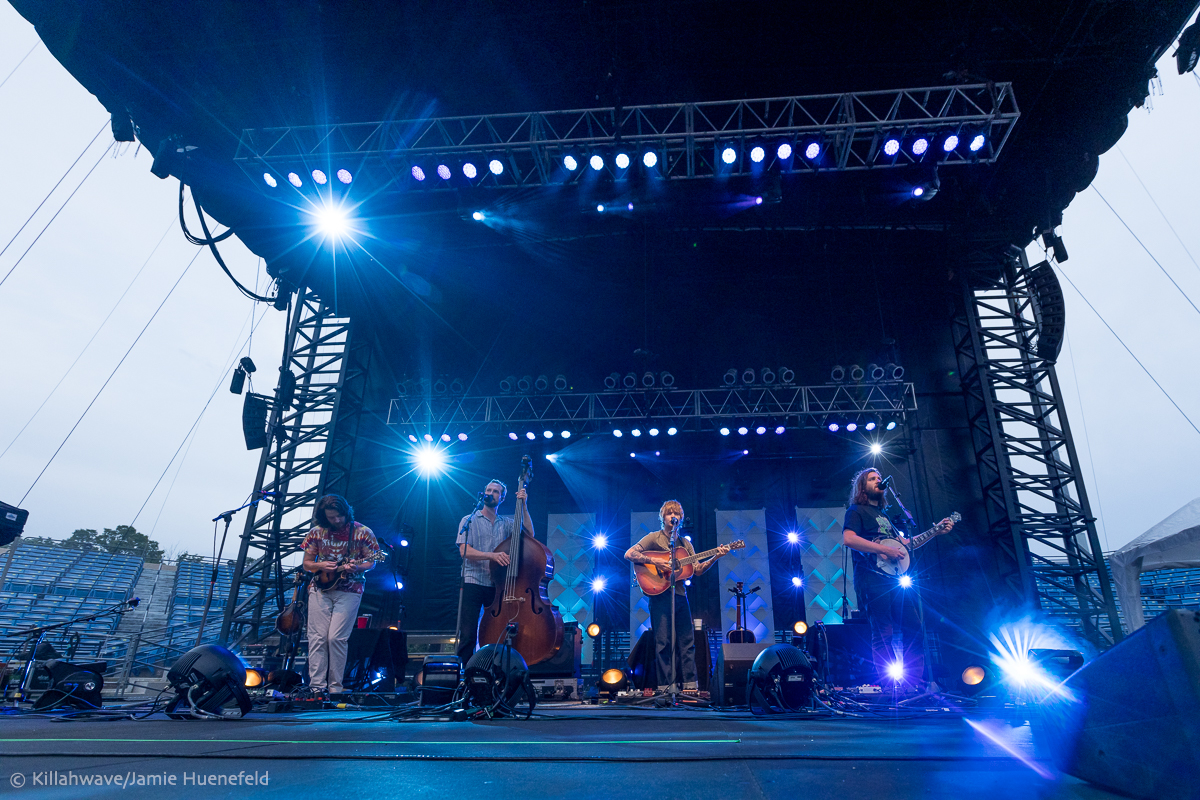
x=1037, y=505
x=308, y=455
x=697, y=409
x=687, y=138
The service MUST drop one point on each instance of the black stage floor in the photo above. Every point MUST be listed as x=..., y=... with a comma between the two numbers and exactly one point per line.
x=564, y=751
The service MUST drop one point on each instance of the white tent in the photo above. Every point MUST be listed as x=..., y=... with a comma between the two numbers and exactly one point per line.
x=1172, y=543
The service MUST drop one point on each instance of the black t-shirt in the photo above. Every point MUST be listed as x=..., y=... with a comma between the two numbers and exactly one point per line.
x=869, y=522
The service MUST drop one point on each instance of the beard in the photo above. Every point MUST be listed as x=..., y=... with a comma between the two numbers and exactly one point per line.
x=490, y=502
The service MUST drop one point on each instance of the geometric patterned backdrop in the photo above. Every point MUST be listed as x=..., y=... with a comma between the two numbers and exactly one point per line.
x=820, y=532
x=569, y=539
x=640, y=524
x=750, y=565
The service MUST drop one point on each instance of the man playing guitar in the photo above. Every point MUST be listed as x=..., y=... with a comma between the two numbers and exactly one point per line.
x=889, y=607
x=683, y=649
x=336, y=544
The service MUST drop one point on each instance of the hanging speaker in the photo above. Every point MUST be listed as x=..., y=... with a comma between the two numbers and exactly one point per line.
x=1129, y=720
x=254, y=421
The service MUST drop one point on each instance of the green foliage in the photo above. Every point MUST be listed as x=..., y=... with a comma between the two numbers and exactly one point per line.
x=122, y=540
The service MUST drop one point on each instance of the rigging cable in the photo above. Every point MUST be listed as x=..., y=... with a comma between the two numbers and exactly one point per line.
x=1062, y=272
x=89, y=342
x=211, y=241
x=1160, y=211
x=1147, y=249
x=109, y=378
x=22, y=61
x=1087, y=439
x=47, y=197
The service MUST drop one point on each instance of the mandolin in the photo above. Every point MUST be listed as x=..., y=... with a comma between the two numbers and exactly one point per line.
x=326, y=579
x=655, y=577
x=291, y=619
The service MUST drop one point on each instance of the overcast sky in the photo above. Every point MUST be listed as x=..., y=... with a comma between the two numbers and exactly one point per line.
x=119, y=233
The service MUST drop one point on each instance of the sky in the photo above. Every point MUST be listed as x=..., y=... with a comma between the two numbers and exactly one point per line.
x=147, y=433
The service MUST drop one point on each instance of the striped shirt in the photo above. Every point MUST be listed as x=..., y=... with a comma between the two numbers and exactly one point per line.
x=322, y=544
x=484, y=535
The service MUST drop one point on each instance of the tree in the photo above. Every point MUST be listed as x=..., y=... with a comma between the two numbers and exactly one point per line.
x=121, y=540
x=82, y=539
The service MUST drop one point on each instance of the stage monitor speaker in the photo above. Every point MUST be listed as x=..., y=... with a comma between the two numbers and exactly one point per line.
x=843, y=653
x=566, y=662
x=734, y=661
x=1129, y=720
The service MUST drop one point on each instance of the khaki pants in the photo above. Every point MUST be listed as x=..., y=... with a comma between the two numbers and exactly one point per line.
x=331, y=617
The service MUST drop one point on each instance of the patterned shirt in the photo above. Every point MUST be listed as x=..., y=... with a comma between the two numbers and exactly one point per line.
x=358, y=544
x=484, y=535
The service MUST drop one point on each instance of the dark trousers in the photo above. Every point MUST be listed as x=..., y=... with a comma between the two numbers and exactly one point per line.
x=685, y=638
x=891, y=609
x=475, y=598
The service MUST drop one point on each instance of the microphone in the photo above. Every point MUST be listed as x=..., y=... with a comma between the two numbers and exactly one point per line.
x=885, y=483
x=479, y=503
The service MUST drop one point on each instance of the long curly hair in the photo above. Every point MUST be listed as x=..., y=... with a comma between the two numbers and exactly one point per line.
x=858, y=486
x=335, y=502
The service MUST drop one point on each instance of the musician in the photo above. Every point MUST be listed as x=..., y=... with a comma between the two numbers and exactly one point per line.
x=476, y=541
x=334, y=537
x=889, y=607
x=683, y=649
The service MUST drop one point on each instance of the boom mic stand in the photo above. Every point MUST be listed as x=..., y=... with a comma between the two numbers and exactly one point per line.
x=212, y=583
x=465, y=533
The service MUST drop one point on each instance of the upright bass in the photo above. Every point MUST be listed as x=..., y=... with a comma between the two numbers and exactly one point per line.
x=522, y=608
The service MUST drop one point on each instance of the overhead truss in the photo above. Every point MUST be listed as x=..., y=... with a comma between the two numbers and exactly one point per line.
x=687, y=139
x=696, y=409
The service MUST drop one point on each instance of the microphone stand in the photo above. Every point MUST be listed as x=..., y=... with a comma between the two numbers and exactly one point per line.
x=676, y=656
x=212, y=582
x=465, y=533
x=928, y=675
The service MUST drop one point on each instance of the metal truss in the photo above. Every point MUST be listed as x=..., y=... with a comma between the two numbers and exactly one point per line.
x=306, y=457
x=696, y=409
x=1037, y=506
x=687, y=139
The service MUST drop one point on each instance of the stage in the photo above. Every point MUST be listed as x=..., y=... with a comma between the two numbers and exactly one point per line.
x=564, y=750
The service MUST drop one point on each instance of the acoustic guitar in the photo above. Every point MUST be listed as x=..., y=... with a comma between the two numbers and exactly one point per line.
x=900, y=566
x=326, y=579
x=656, y=578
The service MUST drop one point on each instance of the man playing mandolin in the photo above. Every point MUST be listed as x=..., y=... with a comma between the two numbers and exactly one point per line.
x=889, y=607
x=683, y=649
x=339, y=550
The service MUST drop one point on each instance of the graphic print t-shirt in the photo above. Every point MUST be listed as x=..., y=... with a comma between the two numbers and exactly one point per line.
x=871, y=523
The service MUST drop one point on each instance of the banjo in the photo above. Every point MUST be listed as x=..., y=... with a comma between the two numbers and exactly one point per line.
x=900, y=566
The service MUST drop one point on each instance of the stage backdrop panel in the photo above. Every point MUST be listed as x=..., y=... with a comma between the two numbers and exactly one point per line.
x=569, y=538
x=751, y=566
x=640, y=524
x=820, y=532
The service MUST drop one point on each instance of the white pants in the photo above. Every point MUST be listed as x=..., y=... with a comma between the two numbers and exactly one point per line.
x=331, y=617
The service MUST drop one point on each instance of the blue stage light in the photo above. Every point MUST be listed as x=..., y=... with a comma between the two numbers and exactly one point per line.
x=784, y=151
x=950, y=143
x=404, y=542
x=653, y=431
x=477, y=216
x=332, y=221
x=412, y=438
x=834, y=427
x=779, y=429
x=344, y=176
x=870, y=426
x=552, y=457
x=905, y=581
x=599, y=541
x=566, y=434
x=760, y=430
x=430, y=460
x=629, y=206
x=530, y=435
x=796, y=581
x=462, y=437
x=895, y=670
x=852, y=426
x=470, y=171
x=724, y=431
x=672, y=431
x=445, y=437
x=891, y=426
x=443, y=172
x=570, y=163
x=920, y=146
x=650, y=159
x=757, y=154
x=598, y=583
x=418, y=173
x=812, y=151
x=758, y=201
x=622, y=160
x=891, y=147
x=636, y=431
x=294, y=180
x=617, y=433
x=596, y=163
x=793, y=537
x=399, y=585
x=548, y=434
x=269, y=179
x=428, y=437
x=512, y=435
x=729, y=155
x=743, y=430
x=978, y=142
x=496, y=167
x=600, y=208
x=876, y=449
x=918, y=191
x=320, y=177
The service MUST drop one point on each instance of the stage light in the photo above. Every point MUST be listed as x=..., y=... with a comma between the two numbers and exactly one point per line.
x=622, y=160
x=512, y=435
x=895, y=670
x=443, y=172
x=950, y=143
x=870, y=426
x=210, y=684
x=613, y=681
x=672, y=431
x=918, y=191
x=596, y=163
x=905, y=581
x=565, y=434
x=760, y=430
x=629, y=206
x=837, y=374
x=599, y=541
x=891, y=147
x=834, y=427
x=653, y=431
x=430, y=460
x=598, y=583
x=779, y=429
x=780, y=680
x=891, y=426
x=552, y=457
x=294, y=180
x=796, y=581
x=658, y=452
x=548, y=434
x=793, y=537
x=724, y=431
x=920, y=146
x=800, y=628
x=404, y=542
x=856, y=372
x=600, y=207
x=470, y=171
x=344, y=176
x=496, y=167
x=758, y=201
x=399, y=585
x=743, y=430
x=757, y=154
x=784, y=151
x=729, y=155
x=560, y=383
x=977, y=142
x=462, y=437
x=253, y=678
x=477, y=216
x=594, y=629
x=445, y=437
x=530, y=435
x=650, y=159
x=812, y=151
x=429, y=437
x=617, y=433
x=418, y=173
x=876, y=449
x=412, y=438
x=851, y=426
x=269, y=179
x=636, y=431
x=633, y=455
x=973, y=675
x=688, y=582
x=332, y=222
x=320, y=177
x=570, y=163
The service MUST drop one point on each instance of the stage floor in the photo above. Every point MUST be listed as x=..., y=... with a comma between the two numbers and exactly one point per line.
x=566, y=750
